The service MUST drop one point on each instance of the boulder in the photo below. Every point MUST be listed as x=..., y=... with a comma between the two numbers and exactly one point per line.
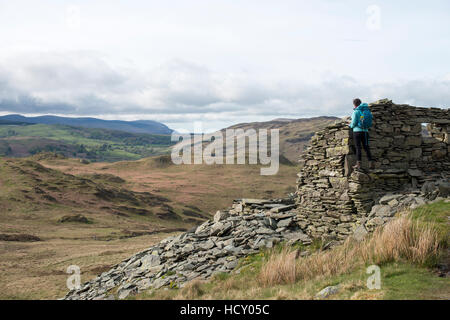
x=207, y=245
x=220, y=215
x=254, y=201
x=444, y=188
x=382, y=211
x=415, y=172
x=326, y=292
x=360, y=233
x=220, y=228
x=150, y=261
x=389, y=197
x=285, y=223
x=282, y=208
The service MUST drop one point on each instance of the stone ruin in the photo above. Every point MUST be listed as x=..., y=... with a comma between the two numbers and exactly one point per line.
x=331, y=203
x=333, y=200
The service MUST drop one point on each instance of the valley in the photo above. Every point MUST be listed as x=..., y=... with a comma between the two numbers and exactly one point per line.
x=63, y=212
x=93, y=144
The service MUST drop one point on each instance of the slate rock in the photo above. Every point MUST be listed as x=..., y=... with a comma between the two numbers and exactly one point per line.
x=360, y=233
x=220, y=215
x=284, y=223
x=326, y=292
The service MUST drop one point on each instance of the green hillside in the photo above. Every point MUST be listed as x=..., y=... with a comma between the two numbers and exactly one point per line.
x=89, y=143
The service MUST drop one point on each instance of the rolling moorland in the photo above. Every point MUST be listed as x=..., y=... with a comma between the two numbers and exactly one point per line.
x=58, y=211
x=61, y=212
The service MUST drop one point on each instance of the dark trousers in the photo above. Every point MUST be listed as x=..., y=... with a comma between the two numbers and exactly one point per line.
x=362, y=138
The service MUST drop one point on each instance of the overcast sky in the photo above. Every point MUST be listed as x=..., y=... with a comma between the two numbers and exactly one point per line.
x=220, y=61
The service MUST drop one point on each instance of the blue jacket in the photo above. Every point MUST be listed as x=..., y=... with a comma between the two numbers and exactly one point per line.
x=355, y=117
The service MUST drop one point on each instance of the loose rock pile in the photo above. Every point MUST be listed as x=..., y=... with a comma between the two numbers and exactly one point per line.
x=213, y=247
x=388, y=205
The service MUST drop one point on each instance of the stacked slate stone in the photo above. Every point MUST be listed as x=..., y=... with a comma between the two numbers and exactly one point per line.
x=397, y=141
x=337, y=199
x=213, y=247
x=325, y=206
x=404, y=158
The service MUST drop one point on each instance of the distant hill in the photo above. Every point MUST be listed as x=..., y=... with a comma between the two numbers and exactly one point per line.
x=95, y=144
x=140, y=126
x=294, y=133
x=11, y=122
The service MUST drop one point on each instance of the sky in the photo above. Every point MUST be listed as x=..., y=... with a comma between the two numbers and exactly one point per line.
x=220, y=62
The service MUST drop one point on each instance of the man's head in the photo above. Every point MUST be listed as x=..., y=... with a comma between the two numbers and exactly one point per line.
x=356, y=102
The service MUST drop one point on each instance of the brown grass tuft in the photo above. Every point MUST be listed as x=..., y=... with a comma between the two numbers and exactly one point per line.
x=280, y=268
x=401, y=239
x=229, y=284
x=192, y=290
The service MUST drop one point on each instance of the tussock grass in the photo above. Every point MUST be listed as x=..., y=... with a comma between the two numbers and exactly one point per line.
x=403, y=239
x=192, y=290
x=280, y=268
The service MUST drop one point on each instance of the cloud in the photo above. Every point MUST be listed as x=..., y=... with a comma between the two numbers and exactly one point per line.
x=85, y=84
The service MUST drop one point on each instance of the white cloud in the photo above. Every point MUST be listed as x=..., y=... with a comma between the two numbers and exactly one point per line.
x=179, y=91
x=219, y=61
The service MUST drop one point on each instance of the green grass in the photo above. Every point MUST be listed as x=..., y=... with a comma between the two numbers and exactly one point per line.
x=95, y=144
x=404, y=281
x=438, y=214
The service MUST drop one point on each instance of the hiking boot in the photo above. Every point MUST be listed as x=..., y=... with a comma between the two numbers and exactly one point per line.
x=357, y=166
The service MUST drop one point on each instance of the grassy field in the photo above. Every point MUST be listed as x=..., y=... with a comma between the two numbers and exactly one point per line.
x=128, y=206
x=407, y=251
x=207, y=187
x=93, y=144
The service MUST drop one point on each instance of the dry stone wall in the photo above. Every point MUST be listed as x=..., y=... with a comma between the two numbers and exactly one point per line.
x=333, y=200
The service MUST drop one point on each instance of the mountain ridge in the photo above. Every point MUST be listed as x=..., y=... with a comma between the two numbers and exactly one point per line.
x=138, y=126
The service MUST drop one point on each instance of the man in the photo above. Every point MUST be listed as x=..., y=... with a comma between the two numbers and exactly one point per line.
x=361, y=122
